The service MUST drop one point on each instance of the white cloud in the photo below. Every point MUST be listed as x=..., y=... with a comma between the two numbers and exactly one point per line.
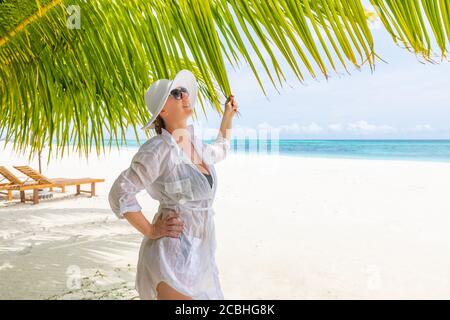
x=357, y=128
x=265, y=126
x=336, y=127
x=291, y=128
x=363, y=127
x=422, y=128
x=295, y=128
x=312, y=128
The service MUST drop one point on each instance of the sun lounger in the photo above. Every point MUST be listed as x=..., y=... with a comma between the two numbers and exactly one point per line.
x=60, y=182
x=12, y=179
x=16, y=184
x=6, y=190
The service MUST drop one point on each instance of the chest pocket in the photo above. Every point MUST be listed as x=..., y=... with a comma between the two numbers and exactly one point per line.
x=180, y=190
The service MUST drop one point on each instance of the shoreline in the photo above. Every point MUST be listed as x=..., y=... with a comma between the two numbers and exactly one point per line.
x=239, y=151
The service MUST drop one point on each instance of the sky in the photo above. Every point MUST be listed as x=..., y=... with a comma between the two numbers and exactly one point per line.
x=402, y=99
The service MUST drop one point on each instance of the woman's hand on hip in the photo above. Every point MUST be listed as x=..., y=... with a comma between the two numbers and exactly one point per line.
x=169, y=226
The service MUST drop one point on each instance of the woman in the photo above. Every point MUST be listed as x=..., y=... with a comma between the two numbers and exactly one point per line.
x=177, y=254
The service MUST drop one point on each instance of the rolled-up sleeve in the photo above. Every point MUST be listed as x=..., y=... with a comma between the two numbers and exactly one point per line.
x=144, y=170
x=217, y=150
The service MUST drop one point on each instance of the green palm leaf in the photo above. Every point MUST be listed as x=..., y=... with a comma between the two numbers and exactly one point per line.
x=83, y=87
x=416, y=24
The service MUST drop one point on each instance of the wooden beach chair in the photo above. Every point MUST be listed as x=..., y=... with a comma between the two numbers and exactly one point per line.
x=9, y=176
x=5, y=188
x=16, y=184
x=60, y=182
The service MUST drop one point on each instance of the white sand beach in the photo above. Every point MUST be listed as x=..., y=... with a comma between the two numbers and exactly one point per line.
x=287, y=228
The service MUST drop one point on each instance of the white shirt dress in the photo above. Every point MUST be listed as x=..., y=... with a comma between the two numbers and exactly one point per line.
x=163, y=169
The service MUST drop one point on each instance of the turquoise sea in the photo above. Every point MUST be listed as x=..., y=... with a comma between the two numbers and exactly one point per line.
x=417, y=150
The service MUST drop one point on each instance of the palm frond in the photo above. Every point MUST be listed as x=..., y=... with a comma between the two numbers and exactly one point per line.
x=417, y=24
x=62, y=86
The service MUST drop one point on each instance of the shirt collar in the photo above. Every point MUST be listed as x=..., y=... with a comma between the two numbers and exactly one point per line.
x=171, y=140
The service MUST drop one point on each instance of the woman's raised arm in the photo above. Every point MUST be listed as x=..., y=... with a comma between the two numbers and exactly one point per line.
x=218, y=150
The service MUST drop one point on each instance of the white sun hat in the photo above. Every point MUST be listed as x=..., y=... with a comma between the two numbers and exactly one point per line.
x=158, y=93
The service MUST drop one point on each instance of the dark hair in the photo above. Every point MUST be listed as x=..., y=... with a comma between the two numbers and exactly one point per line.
x=159, y=124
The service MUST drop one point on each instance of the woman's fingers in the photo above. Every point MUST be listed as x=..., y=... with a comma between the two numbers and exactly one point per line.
x=172, y=225
x=174, y=234
x=175, y=222
x=168, y=232
x=175, y=228
x=171, y=215
x=232, y=104
x=174, y=218
x=229, y=99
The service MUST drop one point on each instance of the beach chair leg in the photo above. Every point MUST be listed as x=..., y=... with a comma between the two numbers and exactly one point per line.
x=22, y=196
x=9, y=195
x=78, y=189
x=92, y=189
x=35, y=196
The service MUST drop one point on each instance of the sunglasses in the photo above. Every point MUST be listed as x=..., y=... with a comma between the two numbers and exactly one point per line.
x=178, y=93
